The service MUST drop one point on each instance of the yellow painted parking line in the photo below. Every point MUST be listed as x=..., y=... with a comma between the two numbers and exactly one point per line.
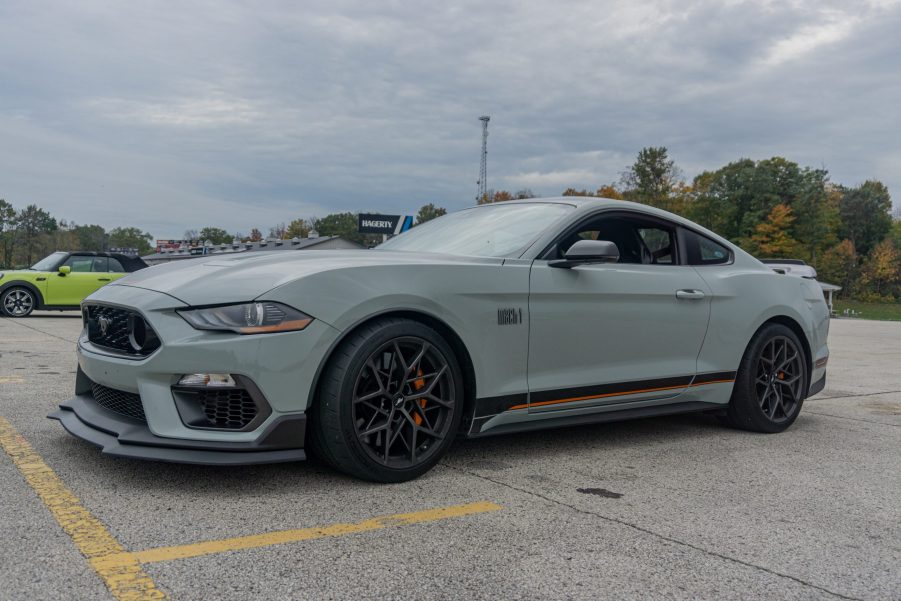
x=291, y=536
x=125, y=579
x=12, y=380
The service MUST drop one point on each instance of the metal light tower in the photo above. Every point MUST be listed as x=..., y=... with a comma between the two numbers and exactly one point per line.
x=483, y=170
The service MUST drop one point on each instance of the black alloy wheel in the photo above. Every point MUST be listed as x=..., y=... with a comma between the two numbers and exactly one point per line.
x=780, y=375
x=390, y=402
x=403, y=401
x=771, y=383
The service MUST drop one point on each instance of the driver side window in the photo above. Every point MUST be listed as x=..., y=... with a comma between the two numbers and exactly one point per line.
x=640, y=241
x=79, y=264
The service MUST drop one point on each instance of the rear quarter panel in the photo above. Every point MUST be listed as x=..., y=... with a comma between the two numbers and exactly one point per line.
x=744, y=298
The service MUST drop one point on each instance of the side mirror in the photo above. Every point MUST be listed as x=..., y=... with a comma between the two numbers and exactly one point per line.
x=587, y=252
x=65, y=270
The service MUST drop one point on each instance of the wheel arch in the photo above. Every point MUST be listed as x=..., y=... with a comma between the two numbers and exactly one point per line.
x=461, y=353
x=29, y=286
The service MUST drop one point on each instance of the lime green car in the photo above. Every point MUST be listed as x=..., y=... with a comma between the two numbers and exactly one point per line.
x=61, y=281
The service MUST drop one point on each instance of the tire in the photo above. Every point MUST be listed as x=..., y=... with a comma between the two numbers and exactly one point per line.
x=369, y=421
x=17, y=302
x=771, y=383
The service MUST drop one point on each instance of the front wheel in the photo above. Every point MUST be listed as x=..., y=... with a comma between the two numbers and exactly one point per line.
x=771, y=382
x=390, y=402
x=17, y=302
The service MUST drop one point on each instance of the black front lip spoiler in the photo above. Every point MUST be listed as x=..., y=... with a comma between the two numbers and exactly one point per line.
x=121, y=436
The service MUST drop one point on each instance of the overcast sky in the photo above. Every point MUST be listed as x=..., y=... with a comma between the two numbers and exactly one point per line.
x=170, y=115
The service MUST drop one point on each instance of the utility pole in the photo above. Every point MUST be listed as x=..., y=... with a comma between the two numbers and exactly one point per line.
x=483, y=170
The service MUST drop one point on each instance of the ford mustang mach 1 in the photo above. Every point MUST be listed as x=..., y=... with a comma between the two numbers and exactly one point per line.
x=501, y=318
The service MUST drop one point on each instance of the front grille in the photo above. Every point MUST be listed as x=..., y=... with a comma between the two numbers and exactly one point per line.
x=120, y=330
x=123, y=403
x=231, y=408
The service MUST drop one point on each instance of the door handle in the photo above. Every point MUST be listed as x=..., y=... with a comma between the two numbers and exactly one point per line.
x=690, y=294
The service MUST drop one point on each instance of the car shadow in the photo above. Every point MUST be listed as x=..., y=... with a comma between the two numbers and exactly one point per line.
x=313, y=476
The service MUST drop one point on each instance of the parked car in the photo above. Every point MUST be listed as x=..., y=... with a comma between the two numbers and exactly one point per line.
x=506, y=317
x=796, y=267
x=61, y=281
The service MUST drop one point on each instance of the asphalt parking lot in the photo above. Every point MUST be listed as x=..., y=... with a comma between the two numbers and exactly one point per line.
x=659, y=508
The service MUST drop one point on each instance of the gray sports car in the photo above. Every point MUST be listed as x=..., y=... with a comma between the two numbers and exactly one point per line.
x=501, y=318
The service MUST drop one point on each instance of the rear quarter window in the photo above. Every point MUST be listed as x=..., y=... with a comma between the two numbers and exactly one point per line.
x=701, y=250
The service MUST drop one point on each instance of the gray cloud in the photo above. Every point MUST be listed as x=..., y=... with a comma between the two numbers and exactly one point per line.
x=245, y=114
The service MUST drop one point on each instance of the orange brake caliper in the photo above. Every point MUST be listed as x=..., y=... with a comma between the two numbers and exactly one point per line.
x=419, y=384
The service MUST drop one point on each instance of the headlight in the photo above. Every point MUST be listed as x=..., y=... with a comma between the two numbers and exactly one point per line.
x=248, y=318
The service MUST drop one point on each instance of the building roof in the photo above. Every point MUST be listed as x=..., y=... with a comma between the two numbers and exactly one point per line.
x=238, y=247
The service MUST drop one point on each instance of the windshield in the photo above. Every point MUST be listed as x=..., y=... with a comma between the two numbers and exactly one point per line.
x=49, y=262
x=497, y=230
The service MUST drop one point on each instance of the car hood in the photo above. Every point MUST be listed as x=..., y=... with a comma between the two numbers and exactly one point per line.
x=19, y=274
x=242, y=277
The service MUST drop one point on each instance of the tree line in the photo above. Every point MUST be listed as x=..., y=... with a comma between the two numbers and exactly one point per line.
x=775, y=209
x=29, y=234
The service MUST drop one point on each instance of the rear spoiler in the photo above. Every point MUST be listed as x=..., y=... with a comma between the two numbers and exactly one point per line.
x=794, y=267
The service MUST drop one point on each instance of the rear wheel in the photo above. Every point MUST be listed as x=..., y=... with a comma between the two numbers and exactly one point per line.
x=17, y=302
x=390, y=402
x=771, y=383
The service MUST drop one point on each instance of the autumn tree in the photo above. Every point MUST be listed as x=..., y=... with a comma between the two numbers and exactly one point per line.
x=429, y=212
x=771, y=237
x=838, y=265
x=298, y=228
x=130, y=237
x=256, y=235
x=495, y=196
x=880, y=274
x=865, y=215
x=523, y=194
x=216, y=235
x=609, y=191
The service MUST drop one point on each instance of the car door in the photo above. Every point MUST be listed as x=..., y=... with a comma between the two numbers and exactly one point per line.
x=82, y=279
x=615, y=333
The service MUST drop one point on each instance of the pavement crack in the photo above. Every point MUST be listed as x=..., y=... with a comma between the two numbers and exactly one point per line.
x=19, y=323
x=851, y=396
x=856, y=419
x=654, y=534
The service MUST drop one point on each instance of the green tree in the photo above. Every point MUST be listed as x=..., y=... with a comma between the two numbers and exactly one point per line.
x=298, y=228
x=216, y=235
x=652, y=178
x=345, y=226
x=90, y=237
x=771, y=237
x=865, y=215
x=838, y=265
x=33, y=226
x=815, y=207
x=7, y=233
x=130, y=237
x=429, y=212
x=523, y=194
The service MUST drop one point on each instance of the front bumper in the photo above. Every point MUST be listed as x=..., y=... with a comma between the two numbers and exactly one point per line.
x=281, y=441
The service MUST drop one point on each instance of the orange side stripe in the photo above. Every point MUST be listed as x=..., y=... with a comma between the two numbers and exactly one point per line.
x=609, y=394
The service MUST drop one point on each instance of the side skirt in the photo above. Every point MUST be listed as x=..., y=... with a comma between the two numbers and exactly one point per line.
x=559, y=421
